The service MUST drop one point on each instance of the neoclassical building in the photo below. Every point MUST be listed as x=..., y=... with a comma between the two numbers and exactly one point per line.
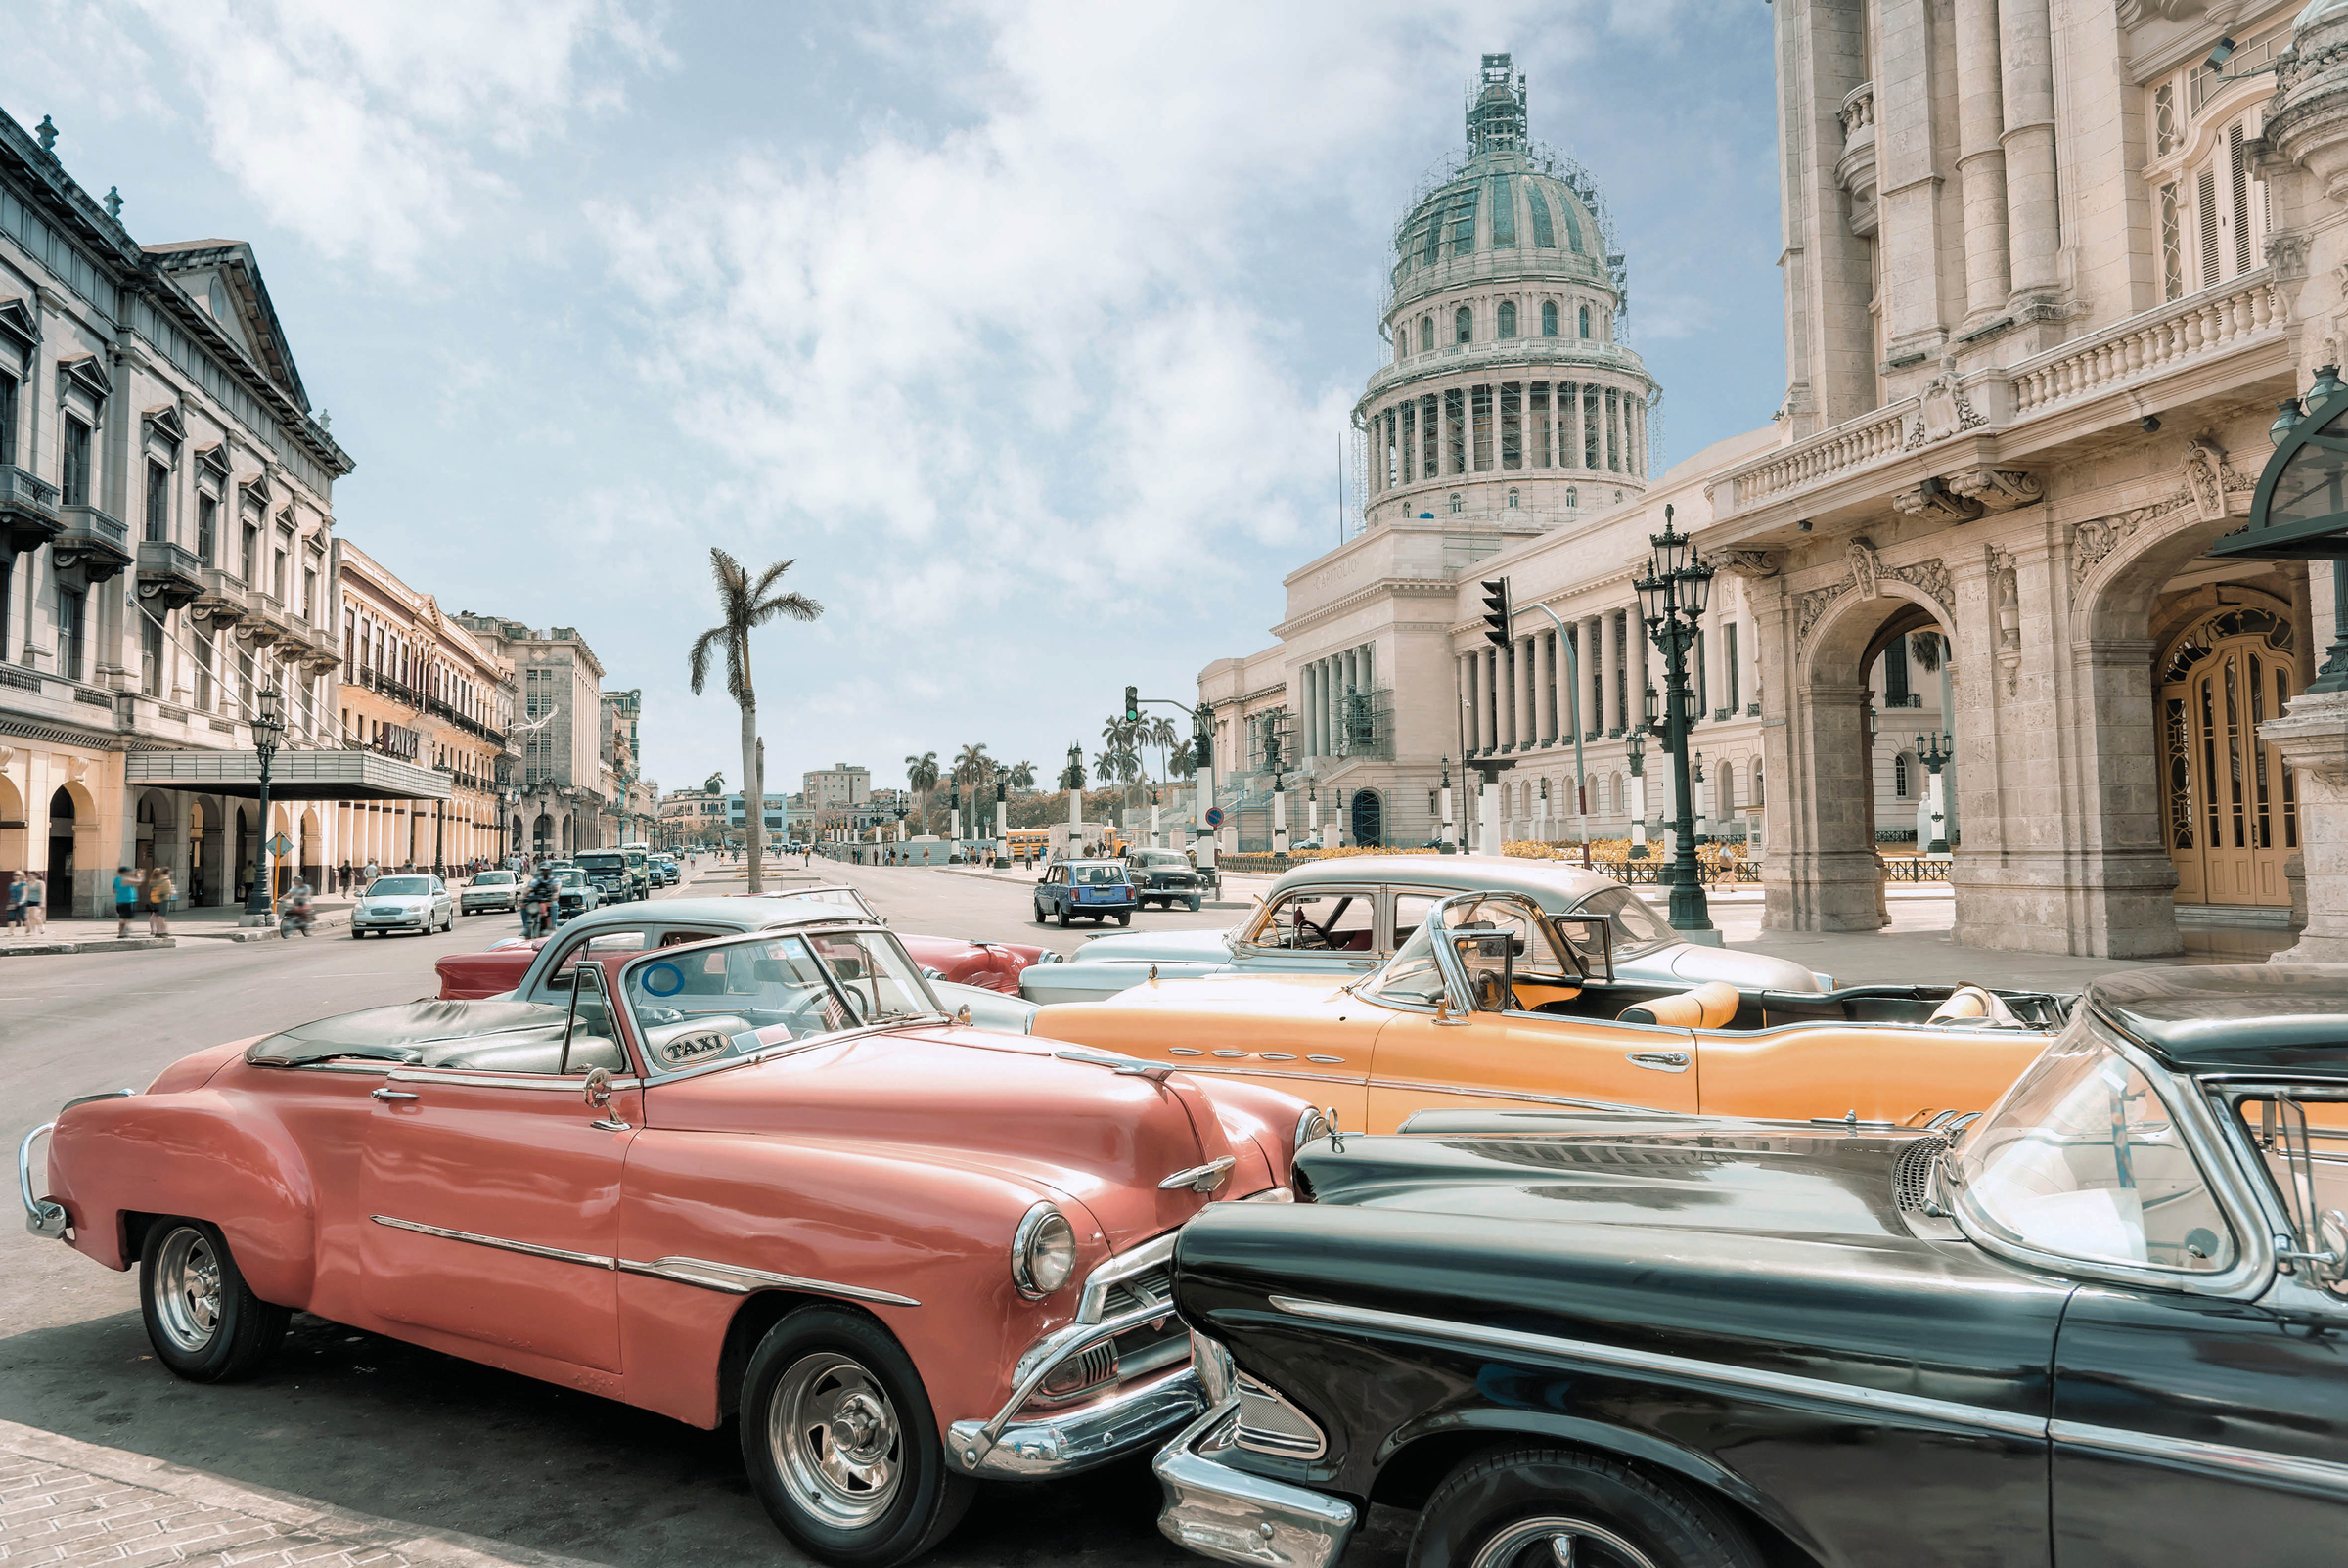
x=2048, y=273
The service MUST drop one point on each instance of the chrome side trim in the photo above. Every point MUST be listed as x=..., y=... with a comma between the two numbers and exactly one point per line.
x=1067, y=1440
x=1155, y=1253
x=2184, y=1454
x=1714, y=1376
x=1422, y=1087
x=500, y=1243
x=537, y=1084
x=735, y=1281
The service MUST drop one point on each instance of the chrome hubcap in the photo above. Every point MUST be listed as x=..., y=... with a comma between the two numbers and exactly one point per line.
x=835, y=1440
x=1556, y=1542
x=187, y=1290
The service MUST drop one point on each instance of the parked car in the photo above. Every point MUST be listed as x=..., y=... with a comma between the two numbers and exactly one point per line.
x=1165, y=878
x=1342, y=917
x=416, y=901
x=485, y=891
x=615, y=880
x=763, y=1175
x=986, y=966
x=1494, y=1001
x=1081, y=889
x=664, y=871
x=539, y=968
x=2099, y=1323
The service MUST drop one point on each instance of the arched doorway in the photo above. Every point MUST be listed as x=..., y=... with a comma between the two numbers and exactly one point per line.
x=542, y=835
x=1369, y=825
x=2231, y=808
x=310, y=849
x=199, y=891
x=61, y=848
x=13, y=846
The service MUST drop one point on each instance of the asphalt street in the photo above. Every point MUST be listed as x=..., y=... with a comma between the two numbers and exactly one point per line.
x=359, y=1422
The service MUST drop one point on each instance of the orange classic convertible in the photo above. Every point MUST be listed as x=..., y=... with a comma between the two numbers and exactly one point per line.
x=762, y=1175
x=1494, y=1002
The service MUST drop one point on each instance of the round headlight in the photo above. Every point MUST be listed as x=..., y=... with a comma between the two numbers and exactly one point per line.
x=1043, y=1252
x=1309, y=1125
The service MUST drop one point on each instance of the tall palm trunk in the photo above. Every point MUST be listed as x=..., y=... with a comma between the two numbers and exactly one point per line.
x=755, y=793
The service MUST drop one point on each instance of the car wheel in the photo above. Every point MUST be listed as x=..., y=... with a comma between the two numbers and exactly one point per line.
x=1523, y=1506
x=1042, y=918
x=1064, y=917
x=842, y=1444
x=1125, y=918
x=203, y=1320
x=1193, y=905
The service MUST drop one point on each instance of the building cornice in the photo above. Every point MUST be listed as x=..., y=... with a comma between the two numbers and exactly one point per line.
x=1383, y=587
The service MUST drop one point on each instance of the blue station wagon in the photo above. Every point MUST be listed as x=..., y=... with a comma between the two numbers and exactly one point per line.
x=1078, y=890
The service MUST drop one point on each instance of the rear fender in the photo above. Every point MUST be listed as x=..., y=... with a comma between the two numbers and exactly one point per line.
x=204, y=1154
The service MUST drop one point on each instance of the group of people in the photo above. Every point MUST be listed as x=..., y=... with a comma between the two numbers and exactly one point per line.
x=27, y=903
x=151, y=890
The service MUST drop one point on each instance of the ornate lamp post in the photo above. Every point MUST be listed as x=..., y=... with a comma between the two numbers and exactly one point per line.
x=1635, y=746
x=1443, y=835
x=1696, y=773
x=1935, y=757
x=268, y=729
x=1671, y=602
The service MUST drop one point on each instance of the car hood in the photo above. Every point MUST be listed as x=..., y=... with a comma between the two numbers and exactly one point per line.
x=1000, y=1104
x=406, y=900
x=1153, y=947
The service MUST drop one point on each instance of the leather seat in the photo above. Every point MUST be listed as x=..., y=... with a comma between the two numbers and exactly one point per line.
x=1968, y=1003
x=1709, y=1006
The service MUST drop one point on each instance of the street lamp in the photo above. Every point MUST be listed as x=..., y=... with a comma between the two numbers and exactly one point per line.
x=1935, y=756
x=1671, y=602
x=268, y=729
x=1635, y=746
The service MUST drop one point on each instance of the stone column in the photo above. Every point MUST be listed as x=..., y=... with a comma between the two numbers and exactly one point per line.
x=1520, y=693
x=1609, y=662
x=1463, y=682
x=1545, y=691
x=2313, y=737
x=1981, y=160
x=2027, y=58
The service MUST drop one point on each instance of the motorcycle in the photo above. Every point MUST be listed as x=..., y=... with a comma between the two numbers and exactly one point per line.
x=294, y=917
x=537, y=915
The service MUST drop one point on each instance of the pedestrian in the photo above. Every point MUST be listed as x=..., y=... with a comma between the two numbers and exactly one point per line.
x=16, y=904
x=366, y=877
x=126, y=900
x=159, y=894
x=36, y=905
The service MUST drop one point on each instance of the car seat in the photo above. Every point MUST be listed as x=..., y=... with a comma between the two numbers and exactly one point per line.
x=1709, y=1006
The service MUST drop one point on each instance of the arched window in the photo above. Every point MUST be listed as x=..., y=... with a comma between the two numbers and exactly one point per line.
x=1454, y=501
x=1549, y=318
x=1728, y=790
x=1573, y=495
x=1463, y=326
x=1507, y=318
x=1585, y=321
x=1511, y=500
x=1427, y=335
x=1898, y=776
x=1621, y=802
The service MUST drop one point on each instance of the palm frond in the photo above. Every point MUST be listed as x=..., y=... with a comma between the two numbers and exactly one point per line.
x=698, y=662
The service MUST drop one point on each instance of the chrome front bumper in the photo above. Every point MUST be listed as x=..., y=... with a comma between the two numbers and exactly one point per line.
x=1069, y=1441
x=1234, y=1516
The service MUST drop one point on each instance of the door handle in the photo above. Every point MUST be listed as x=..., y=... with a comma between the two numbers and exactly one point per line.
x=390, y=1094
x=1659, y=1060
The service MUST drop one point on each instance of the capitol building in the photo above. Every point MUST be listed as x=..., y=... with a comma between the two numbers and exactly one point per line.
x=2049, y=272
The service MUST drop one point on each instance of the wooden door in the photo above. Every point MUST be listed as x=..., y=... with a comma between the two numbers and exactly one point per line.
x=2233, y=817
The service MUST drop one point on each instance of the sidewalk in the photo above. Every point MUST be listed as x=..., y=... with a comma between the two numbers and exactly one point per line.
x=67, y=1501
x=217, y=924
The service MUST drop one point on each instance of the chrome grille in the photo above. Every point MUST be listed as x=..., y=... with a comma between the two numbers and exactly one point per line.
x=1156, y=1288
x=1270, y=1424
x=1912, y=1174
x=1080, y=1374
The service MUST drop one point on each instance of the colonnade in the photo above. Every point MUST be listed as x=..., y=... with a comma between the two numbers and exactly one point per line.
x=1510, y=425
x=1324, y=683
x=1523, y=696
x=401, y=832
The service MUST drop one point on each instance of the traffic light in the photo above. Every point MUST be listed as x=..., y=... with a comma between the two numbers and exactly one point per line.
x=1133, y=704
x=1497, y=611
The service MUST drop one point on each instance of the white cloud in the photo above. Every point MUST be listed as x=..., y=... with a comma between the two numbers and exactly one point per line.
x=368, y=128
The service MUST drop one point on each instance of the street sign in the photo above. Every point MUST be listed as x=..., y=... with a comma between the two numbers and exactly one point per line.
x=1214, y=816
x=281, y=846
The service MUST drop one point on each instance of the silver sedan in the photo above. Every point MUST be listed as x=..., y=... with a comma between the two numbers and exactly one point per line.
x=416, y=902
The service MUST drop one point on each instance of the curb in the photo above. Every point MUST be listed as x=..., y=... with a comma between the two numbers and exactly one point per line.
x=108, y=943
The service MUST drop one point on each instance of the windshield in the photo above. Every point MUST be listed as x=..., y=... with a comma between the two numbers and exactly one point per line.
x=1637, y=928
x=1161, y=857
x=1088, y=875
x=844, y=899
x=493, y=880
x=755, y=992
x=2084, y=1159
x=602, y=863
x=1411, y=977
x=399, y=887
x=569, y=876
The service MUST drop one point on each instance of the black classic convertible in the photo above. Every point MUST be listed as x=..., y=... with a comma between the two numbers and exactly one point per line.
x=2103, y=1323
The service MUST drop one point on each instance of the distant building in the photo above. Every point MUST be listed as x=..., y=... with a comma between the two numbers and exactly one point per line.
x=836, y=788
x=559, y=798
x=692, y=818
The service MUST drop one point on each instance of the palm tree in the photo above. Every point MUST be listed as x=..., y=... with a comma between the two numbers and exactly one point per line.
x=974, y=770
x=1023, y=776
x=1180, y=763
x=920, y=773
x=1158, y=731
x=745, y=604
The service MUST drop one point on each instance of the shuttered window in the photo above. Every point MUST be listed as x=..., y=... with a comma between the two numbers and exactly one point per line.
x=2206, y=199
x=2238, y=176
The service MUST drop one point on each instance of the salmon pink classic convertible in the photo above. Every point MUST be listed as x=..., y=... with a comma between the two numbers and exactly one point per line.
x=763, y=1174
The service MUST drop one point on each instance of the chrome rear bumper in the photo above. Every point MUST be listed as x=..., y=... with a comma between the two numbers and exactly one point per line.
x=1234, y=1516
x=43, y=1217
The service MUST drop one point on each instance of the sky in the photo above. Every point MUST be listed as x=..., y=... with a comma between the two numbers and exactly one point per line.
x=1027, y=330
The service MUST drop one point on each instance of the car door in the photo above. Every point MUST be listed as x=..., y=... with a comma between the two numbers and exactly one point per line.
x=492, y=1189
x=1316, y=930
x=1477, y=1050
x=2196, y=1428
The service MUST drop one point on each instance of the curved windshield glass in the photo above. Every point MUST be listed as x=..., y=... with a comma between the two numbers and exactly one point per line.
x=1412, y=977
x=399, y=887
x=734, y=998
x=494, y=879
x=2084, y=1159
x=1637, y=928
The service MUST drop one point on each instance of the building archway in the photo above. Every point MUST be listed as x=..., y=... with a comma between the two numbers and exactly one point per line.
x=1369, y=819
x=309, y=849
x=14, y=829
x=542, y=835
x=74, y=852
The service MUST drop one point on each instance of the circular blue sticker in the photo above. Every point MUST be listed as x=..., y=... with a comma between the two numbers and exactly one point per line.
x=662, y=980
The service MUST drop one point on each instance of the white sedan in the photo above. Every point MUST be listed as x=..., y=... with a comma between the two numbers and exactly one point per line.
x=418, y=903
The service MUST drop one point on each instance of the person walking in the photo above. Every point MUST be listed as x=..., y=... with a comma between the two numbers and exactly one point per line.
x=159, y=894
x=366, y=877
x=126, y=900
x=16, y=904
x=36, y=905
